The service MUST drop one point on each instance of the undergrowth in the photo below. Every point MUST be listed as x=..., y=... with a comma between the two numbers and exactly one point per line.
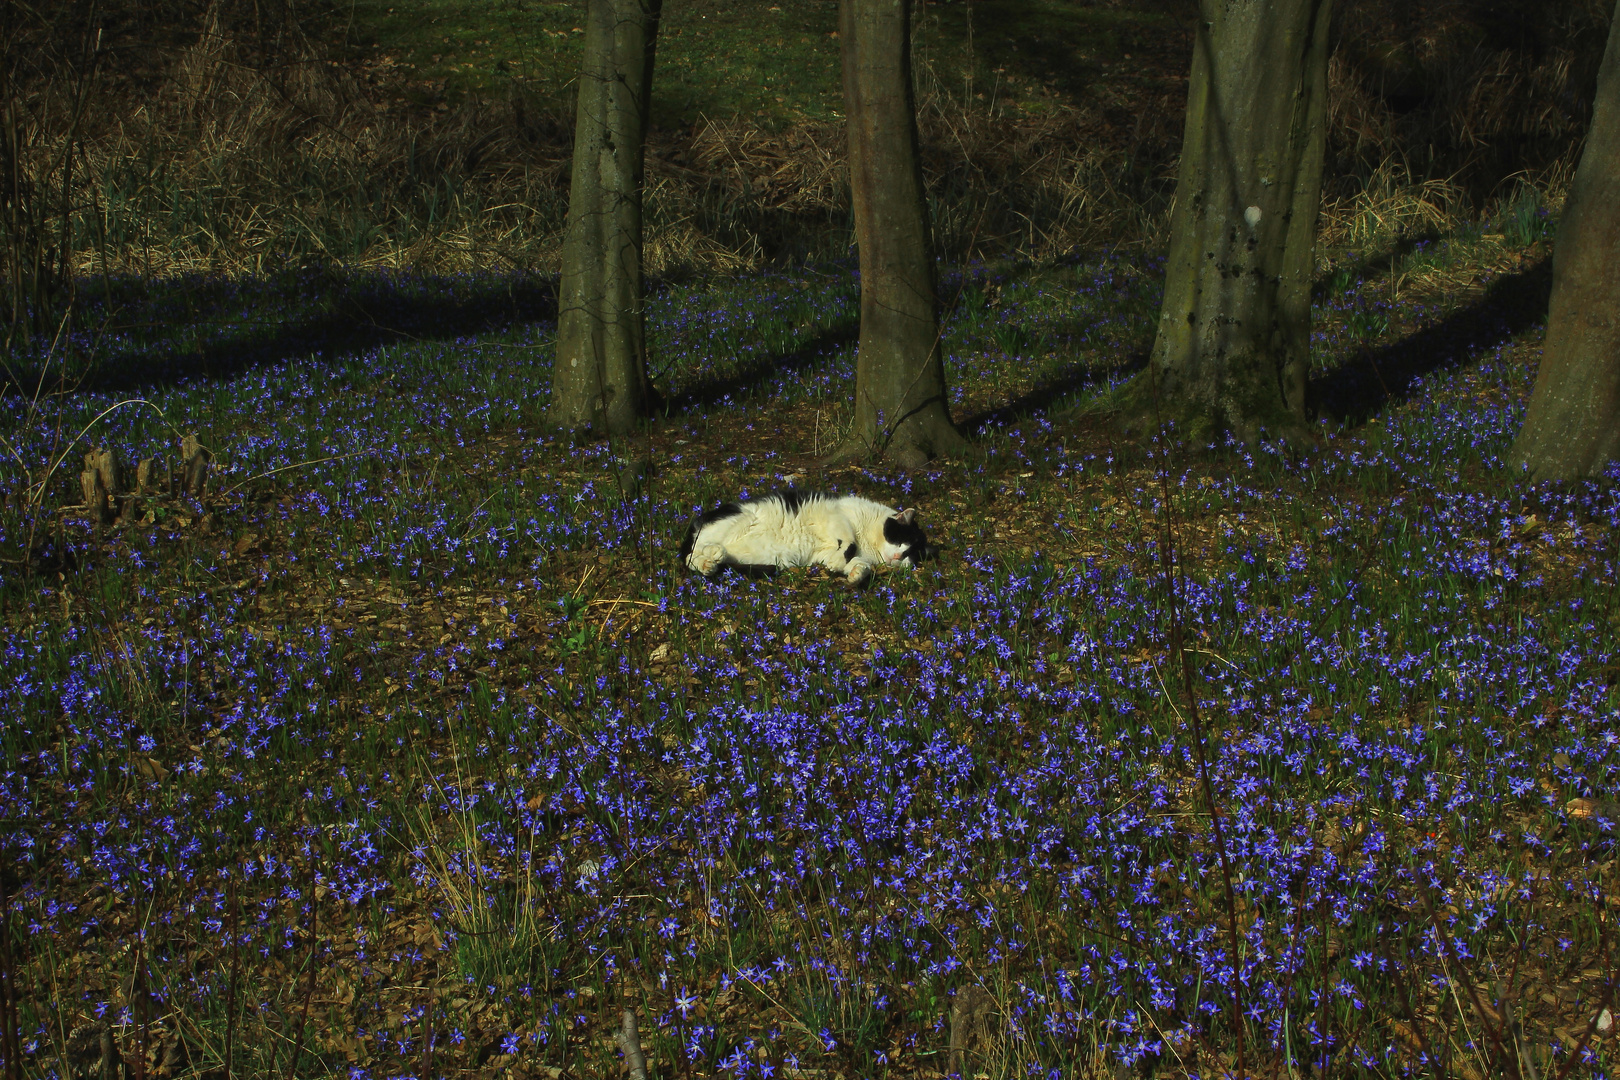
x=395, y=743
x=244, y=137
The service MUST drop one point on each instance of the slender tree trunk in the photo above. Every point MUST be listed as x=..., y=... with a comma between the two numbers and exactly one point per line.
x=1233, y=347
x=1572, y=428
x=901, y=410
x=600, y=379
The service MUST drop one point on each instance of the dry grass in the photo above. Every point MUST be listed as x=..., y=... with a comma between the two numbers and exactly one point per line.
x=234, y=157
x=1476, y=94
x=238, y=167
x=738, y=195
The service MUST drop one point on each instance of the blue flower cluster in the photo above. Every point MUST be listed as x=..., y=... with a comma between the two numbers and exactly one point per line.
x=426, y=718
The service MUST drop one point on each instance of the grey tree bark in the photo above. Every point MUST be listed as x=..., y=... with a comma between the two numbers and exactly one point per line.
x=1233, y=345
x=600, y=380
x=901, y=411
x=1572, y=428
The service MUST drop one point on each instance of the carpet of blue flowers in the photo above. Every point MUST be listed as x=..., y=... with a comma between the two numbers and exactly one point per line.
x=406, y=750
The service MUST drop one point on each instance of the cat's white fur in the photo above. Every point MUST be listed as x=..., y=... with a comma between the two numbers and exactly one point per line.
x=847, y=534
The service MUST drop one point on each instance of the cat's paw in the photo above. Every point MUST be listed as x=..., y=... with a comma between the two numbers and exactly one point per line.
x=706, y=560
x=859, y=572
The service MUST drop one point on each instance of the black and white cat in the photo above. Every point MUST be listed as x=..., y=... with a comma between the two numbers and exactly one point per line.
x=847, y=534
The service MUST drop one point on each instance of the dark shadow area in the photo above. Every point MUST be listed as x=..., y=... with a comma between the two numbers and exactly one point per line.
x=1070, y=46
x=322, y=314
x=751, y=571
x=1375, y=378
x=1041, y=397
x=711, y=391
x=1374, y=265
x=1054, y=63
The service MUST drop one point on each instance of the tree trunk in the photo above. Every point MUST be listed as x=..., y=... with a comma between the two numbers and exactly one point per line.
x=901, y=410
x=600, y=378
x=1233, y=347
x=1572, y=428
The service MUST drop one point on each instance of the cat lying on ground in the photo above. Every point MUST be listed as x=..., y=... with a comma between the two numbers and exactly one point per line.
x=847, y=534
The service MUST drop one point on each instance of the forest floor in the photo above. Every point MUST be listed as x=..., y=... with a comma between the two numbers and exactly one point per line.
x=402, y=746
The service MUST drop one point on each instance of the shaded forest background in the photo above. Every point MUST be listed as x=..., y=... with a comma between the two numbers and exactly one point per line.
x=244, y=135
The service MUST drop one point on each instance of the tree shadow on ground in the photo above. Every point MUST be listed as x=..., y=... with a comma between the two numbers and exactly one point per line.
x=1374, y=264
x=327, y=316
x=1374, y=379
x=753, y=376
x=1041, y=397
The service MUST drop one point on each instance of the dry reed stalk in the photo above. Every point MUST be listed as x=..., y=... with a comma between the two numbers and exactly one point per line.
x=1391, y=203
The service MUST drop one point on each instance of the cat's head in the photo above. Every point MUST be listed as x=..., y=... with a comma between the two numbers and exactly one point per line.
x=904, y=544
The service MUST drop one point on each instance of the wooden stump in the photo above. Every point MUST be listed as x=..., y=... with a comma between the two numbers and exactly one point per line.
x=969, y=1024
x=194, y=459
x=103, y=462
x=96, y=508
x=149, y=476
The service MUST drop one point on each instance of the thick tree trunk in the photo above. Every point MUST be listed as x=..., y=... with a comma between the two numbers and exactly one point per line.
x=901, y=410
x=1572, y=428
x=600, y=379
x=1233, y=346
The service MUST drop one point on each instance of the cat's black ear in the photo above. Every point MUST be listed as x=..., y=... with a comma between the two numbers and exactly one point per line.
x=906, y=517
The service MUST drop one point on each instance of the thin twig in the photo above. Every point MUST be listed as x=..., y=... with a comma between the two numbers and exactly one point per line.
x=294, y=465
x=309, y=989
x=1603, y=1004
x=236, y=973
x=630, y=1042
x=1172, y=571
x=1448, y=950
x=10, y=1042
